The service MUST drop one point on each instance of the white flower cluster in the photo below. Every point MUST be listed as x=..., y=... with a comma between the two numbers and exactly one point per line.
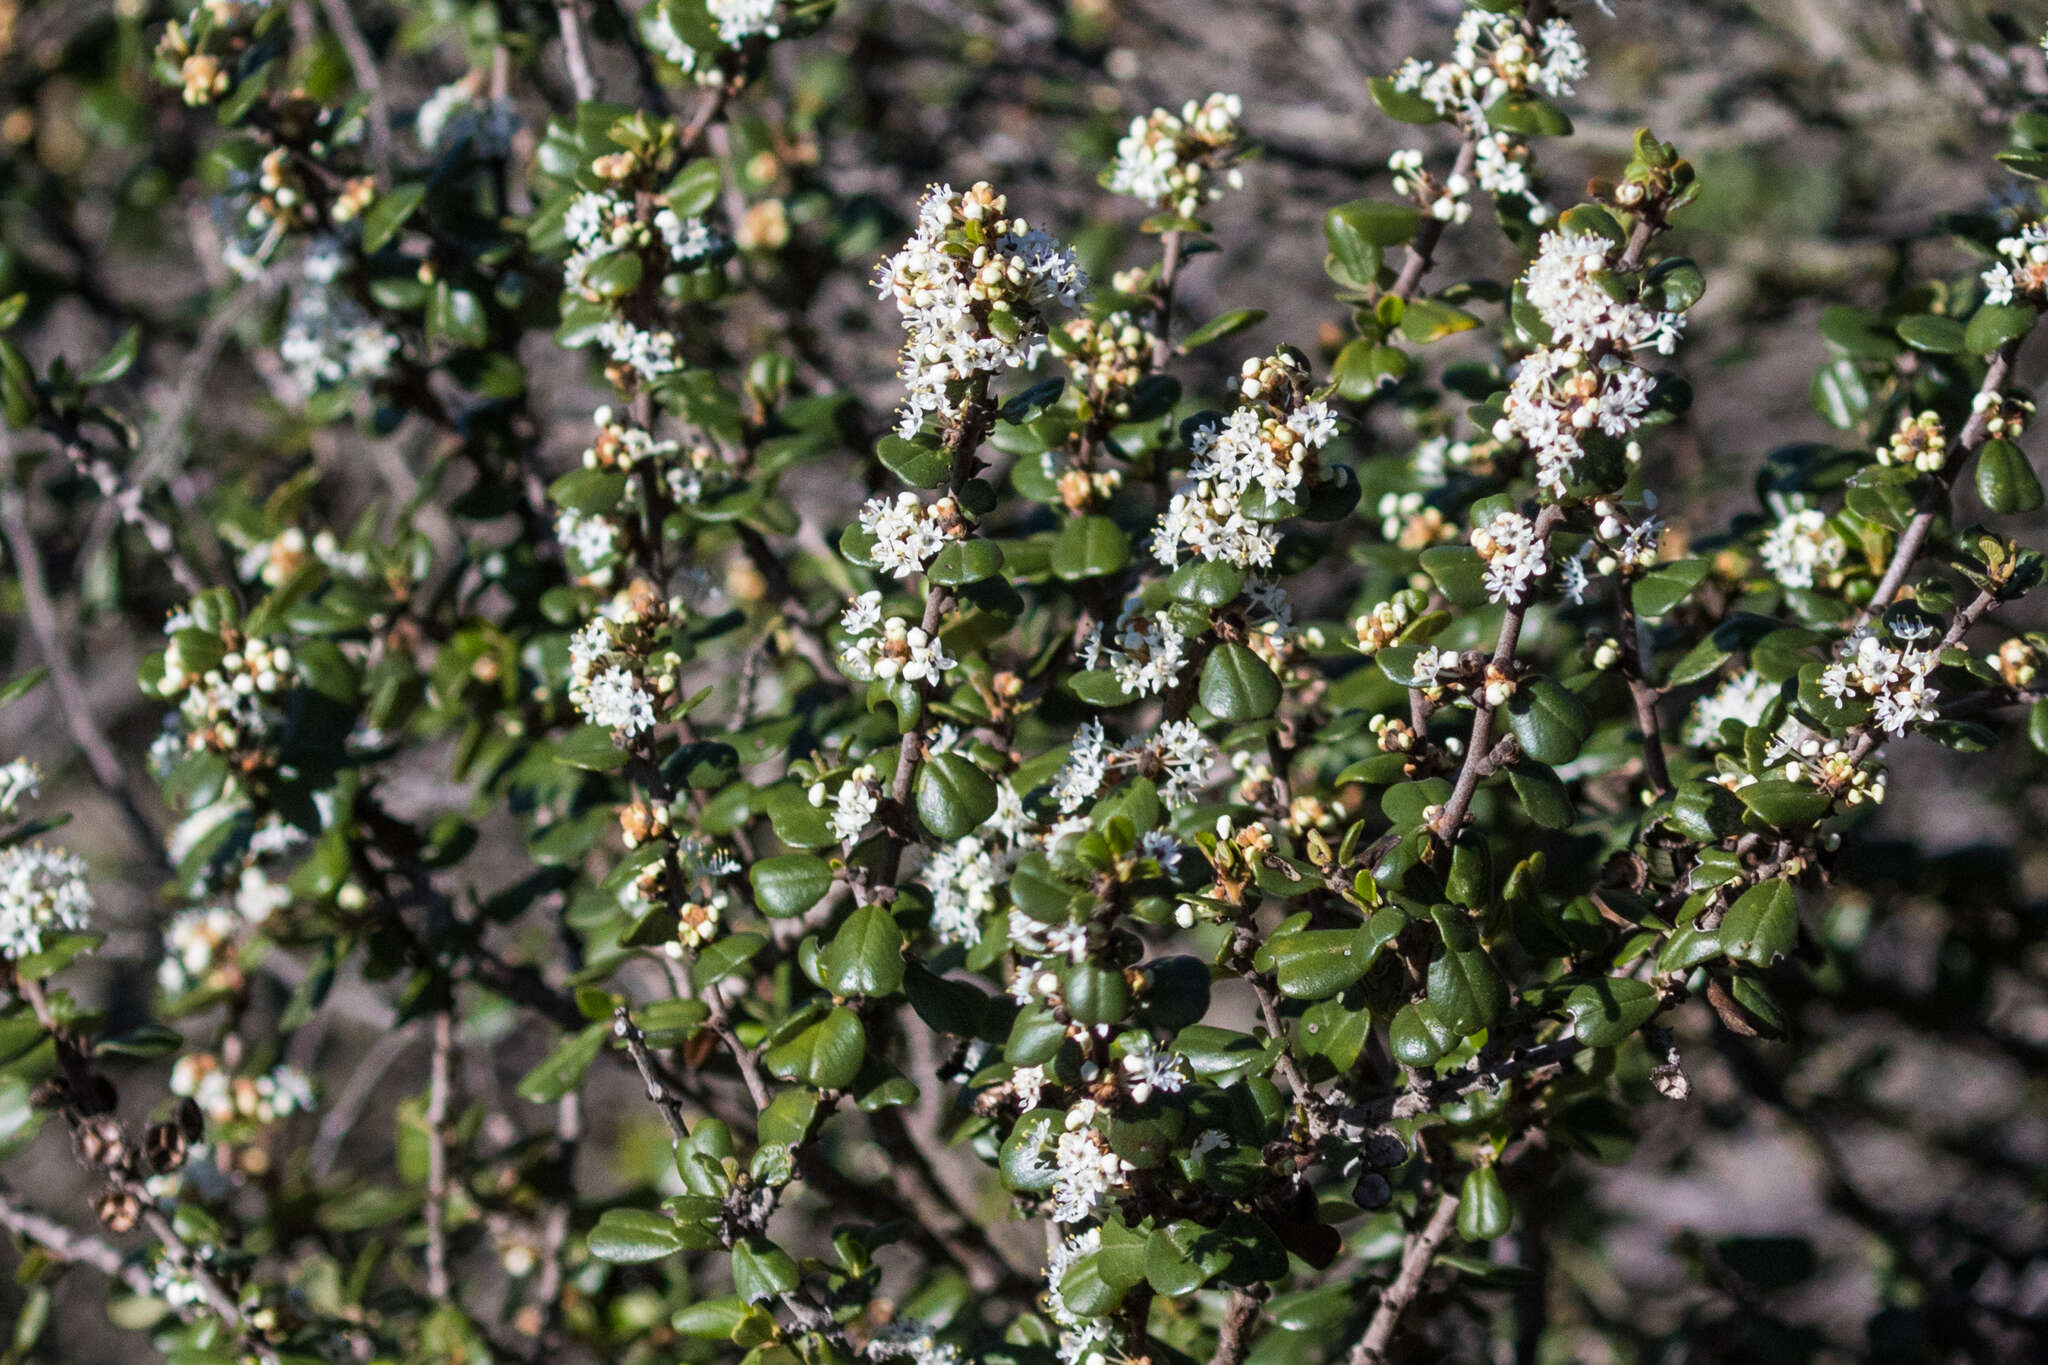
x=913, y=1342
x=1563, y=284
x=20, y=781
x=855, y=805
x=1177, y=755
x=1621, y=539
x=965, y=878
x=1147, y=1070
x=1584, y=378
x=1445, y=201
x=2024, y=271
x=1919, y=443
x=907, y=532
x=1801, y=547
x=1179, y=162
x=196, y=943
x=1894, y=680
x=1492, y=55
x=328, y=338
x=1083, y=1340
x=1145, y=653
x=224, y=1097
x=176, y=1284
x=590, y=541
x=1515, y=557
x=736, y=22
x=1084, y=1171
x=598, y=222
x=1501, y=164
x=1274, y=449
x=42, y=891
x=229, y=702
x=454, y=114
x=1743, y=698
x=604, y=684
x=889, y=649
x=974, y=287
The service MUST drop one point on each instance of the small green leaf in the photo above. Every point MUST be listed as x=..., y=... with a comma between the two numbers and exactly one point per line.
x=1933, y=333
x=762, y=1270
x=115, y=362
x=827, y=1055
x=790, y=883
x=1484, y=1212
x=966, y=561
x=1528, y=115
x=1221, y=326
x=1784, y=804
x=1236, y=684
x=1542, y=794
x=1405, y=105
x=953, y=796
x=1466, y=991
x=633, y=1236
x=1427, y=320
x=1762, y=925
x=919, y=466
x=1606, y=1011
x=388, y=214
x=2006, y=480
x=562, y=1070
x=866, y=956
x=1459, y=571
x=1993, y=325
x=1089, y=547
x=1548, y=720
x=1665, y=586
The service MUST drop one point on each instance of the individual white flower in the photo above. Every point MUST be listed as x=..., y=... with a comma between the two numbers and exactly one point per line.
x=1742, y=698
x=1801, y=546
x=857, y=803
x=1514, y=557
x=862, y=614
x=43, y=891
x=20, y=781
x=616, y=699
x=1148, y=1071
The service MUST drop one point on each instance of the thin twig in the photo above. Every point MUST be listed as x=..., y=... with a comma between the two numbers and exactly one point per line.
x=1974, y=434
x=364, y=63
x=628, y=1032
x=574, y=52
x=1416, y=1257
x=79, y=716
x=1430, y=231
x=34, y=1226
x=437, y=1156
x=1234, y=1338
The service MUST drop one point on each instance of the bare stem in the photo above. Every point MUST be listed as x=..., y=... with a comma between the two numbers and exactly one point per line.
x=437, y=1156
x=1972, y=439
x=575, y=53
x=1416, y=1257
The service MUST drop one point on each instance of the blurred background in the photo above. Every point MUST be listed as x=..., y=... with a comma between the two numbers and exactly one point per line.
x=1876, y=1192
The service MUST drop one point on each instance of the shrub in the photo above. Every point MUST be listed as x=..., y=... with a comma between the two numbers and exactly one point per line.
x=1263, y=819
